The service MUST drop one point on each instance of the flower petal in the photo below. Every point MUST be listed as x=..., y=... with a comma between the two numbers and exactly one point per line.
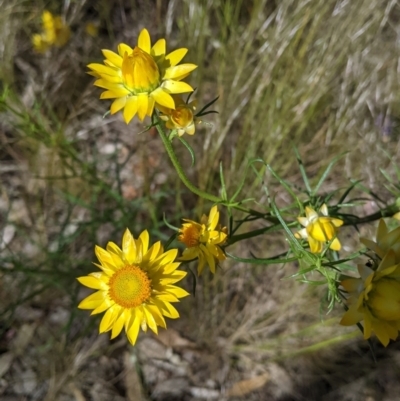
x=119, y=323
x=92, y=301
x=179, y=71
x=92, y=282
x=142, y=103
x=159, y=48
x=133, y=331
x=123, y=48
x=117, y=105
x=129, y=247
x=351, y=317
x=103, y=69
x=114, y=58
x=130, y=109
x=175, y=87
x=144, y=41
x=163, y=98
x=115, y=93
x=176, y=56
x=144, y=238
x=150, y=319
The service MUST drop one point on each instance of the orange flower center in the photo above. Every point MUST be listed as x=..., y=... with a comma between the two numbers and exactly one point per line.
x=140, y=72
x=182, y=116
x=190, y=235
x=129, y=287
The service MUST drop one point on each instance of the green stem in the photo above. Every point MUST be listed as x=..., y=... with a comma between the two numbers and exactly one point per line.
x=256, y=233
x=171, y=153
x=388, y=211
x=179, y=169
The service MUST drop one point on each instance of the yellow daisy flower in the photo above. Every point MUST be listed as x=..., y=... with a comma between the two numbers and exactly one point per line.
x=55, y=33
x=375, y=299
x=203, y=240
x=319, y=229
x=141, y=78
x=181, y=118
x=134, y=287
x=385, y=240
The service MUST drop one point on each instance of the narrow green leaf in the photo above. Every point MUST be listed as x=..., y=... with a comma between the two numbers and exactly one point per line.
x=327, y=171
x=189, y=148
x=292, y=239
x=302, y=272
x=257, y=261
x=208, y=112
x=170, y=240
x=287, y=187
x=201, y=112
x=190, y=95
x=169, y=225
x=194, y=281
x=302, y=171
x=223, y=186
x=244, y=175
x=348, y=190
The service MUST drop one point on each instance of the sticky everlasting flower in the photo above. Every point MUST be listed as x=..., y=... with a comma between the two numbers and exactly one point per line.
x=203, y=240
x=318, y=230
x=385, y=240
x=181, y=118
x=375, y=299
x=55, y=33
x=135, y=286
x=141, y=78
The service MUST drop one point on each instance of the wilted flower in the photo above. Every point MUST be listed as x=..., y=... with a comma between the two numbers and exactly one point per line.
x=203, y=240
x=385, y=240
x=134, y=287
x=55, y=33
x=181, y=118
x=141, y=78
x=319, y=229
x=374, y=298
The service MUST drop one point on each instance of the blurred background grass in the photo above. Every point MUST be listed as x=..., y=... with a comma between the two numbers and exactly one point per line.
x=319, y=75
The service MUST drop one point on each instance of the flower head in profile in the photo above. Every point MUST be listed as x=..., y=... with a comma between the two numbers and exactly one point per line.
x=319, y=229
x=55, y=33
x=385, y=240
x=141, y=78
x=374, y=298
x=203, y=240
x=181, y=118
x=135, y=286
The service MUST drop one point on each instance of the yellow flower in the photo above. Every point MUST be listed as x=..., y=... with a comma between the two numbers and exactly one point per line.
x=55, y=33
x=375, y=299
x=203, y=240
x=319, y=229
x=141, y=78
x=182, y=118
x=385, y=240
x=92, y=29
x=134, y=287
